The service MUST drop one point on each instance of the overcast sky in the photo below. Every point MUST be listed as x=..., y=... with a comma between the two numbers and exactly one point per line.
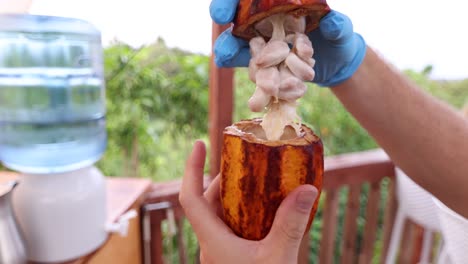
x=409, y=33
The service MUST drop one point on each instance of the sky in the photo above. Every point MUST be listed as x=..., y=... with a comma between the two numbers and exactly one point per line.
x=410, y=34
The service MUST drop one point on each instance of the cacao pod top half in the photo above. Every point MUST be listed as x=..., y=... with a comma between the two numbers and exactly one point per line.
x=249, y=12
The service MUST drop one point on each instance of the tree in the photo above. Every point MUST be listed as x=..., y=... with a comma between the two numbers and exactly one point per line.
x=151, y=91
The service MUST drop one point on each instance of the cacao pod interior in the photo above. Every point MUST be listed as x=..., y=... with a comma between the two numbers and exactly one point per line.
x=252, y=131
x=258, y=132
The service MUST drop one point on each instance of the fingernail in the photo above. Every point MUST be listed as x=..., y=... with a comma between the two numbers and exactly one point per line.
x=305, y=200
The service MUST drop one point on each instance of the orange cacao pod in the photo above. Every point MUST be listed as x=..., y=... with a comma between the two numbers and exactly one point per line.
x=257, y=174
x=249, y=12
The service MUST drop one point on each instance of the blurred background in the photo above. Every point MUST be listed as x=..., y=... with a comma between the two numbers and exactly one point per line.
x=156, y=56
x=157, y=60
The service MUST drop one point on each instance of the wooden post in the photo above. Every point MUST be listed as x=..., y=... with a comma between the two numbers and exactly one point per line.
x=348, y=243
x=330, y=223
x=221, y=103
x=157, y=251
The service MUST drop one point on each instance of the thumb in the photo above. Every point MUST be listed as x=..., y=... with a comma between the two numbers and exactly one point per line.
x=336, y=27
x=292, y=217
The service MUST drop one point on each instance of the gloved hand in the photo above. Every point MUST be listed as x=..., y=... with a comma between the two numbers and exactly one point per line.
x=338, y=50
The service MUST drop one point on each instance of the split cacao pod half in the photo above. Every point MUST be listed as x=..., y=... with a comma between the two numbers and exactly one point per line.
x=249, y=12
x=257, y=174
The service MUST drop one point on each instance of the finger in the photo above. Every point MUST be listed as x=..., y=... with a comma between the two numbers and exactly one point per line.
x=212, y=196
x=223, y=11
x=192, y=184
x=212, y=193
x=205, y=222
x=336, y=27
x=231, y=51
x=291, y=219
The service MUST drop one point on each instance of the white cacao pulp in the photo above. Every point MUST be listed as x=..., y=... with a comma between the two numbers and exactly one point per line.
x=279, y=72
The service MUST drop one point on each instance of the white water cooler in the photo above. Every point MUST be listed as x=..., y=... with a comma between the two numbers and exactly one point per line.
x=52, y=131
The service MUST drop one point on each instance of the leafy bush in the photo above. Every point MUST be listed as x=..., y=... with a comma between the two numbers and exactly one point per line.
x=157, y=104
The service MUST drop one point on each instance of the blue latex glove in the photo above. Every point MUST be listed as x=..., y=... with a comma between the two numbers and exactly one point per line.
x=338, y=50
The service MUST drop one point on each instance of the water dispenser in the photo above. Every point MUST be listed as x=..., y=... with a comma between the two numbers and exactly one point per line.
x=52, y=131
x=52, y=101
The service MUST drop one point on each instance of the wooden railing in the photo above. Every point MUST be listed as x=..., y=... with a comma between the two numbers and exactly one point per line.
x=351, y=173
x=357, y=212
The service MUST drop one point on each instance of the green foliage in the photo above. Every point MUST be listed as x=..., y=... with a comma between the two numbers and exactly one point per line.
x=171, y=245
x=157, y=104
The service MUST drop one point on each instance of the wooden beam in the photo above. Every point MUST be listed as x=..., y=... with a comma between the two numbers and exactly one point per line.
x=348, y=242
x=157, y=250
x=221, y=103
x=372, y=218
x=389, y=218
x=330, y=224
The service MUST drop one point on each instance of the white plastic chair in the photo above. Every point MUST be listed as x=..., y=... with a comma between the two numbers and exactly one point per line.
x=454, y=228
x=414, y=203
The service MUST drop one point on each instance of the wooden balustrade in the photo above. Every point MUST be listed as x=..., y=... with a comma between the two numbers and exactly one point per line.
x=351, y=172
x=351, y=181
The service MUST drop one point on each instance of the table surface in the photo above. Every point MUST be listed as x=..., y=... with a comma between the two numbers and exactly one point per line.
x=122, y=194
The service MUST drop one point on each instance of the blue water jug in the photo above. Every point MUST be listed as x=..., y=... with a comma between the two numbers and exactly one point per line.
x=52, y=94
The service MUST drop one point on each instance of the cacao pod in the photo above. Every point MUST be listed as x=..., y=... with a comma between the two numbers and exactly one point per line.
x=257, y=174
x=249, y=12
